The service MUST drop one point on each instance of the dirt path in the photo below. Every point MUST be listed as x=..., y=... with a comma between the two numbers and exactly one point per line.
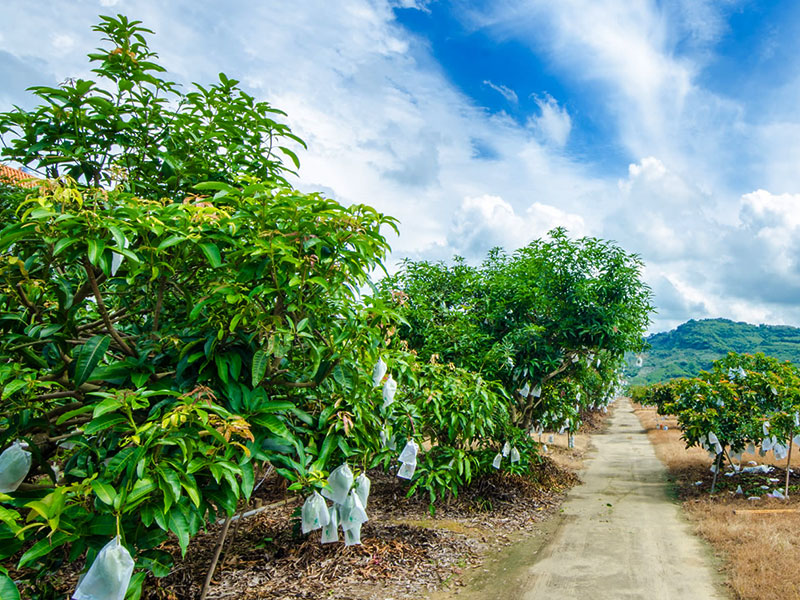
x=620, y=536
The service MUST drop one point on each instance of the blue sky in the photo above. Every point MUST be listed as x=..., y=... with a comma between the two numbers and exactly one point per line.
x=672, y=127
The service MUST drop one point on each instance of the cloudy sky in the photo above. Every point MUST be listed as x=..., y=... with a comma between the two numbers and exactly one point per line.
x=671, y=127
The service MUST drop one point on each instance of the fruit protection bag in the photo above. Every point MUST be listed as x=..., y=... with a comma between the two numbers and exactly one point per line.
x=15, y=462
x=109, y=575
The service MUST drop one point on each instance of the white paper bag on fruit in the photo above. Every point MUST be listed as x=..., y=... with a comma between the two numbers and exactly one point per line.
x=15, y=462
x=339, y=483
x=109, y=575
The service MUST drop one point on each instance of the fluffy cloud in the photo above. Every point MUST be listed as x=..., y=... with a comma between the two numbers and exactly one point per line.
x=763, y=258
x=553, y=122
x=483, y=222
x=386, y=126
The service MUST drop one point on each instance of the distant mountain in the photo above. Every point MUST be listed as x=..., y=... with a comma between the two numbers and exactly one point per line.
x=693, y=346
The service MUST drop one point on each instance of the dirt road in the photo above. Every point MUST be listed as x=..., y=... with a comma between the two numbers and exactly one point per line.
x=621, y=535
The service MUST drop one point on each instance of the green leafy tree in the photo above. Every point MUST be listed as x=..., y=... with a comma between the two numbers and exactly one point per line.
x=131, y=128
x=744, y=399
x=553, y=312
x=174, y=316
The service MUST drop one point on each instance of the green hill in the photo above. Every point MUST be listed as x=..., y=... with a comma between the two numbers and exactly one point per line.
x=693, y=346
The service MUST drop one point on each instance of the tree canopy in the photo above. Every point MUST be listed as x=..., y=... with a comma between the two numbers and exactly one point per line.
x=548, y=314
x=176, y=320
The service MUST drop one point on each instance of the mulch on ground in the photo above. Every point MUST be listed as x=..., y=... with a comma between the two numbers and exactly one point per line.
x=404, y=550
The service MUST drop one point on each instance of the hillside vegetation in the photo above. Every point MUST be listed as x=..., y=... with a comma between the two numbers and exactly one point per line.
x=693, y=346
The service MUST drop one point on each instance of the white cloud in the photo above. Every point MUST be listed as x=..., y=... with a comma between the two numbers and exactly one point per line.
x=504, y=91
x=417, y=4
x=486, y=221
x=386, y=126
x=553, y=124
x=62, y=42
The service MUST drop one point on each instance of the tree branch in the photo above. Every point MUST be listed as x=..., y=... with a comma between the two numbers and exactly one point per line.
x=103, y=311
x=114, y=316
x=159, y=302
x=57, y=412
x=62, y=394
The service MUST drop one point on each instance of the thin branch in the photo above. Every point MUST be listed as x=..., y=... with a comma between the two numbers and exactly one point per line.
x=64, y=436
x=103, y=311
x=114, y=316
x=297, y=384
x=86, y=289
x=159, y=302
x=57, y=412
x=25, y=300
x=62, y=394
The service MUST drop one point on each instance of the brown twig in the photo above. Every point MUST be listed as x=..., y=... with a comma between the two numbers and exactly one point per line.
x=114, y=316
x=103, y=311
x=26, y=301
x=86, y=289
x=159, y=302
x=57, y=412
x=62, y=394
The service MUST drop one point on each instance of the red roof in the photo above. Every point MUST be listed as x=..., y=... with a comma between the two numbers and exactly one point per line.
x=15, y=176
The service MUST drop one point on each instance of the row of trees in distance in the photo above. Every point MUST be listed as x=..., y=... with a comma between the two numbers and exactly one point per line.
x=176, y=317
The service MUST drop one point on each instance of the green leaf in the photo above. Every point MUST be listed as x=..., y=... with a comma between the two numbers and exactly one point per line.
x=328, y=445
x=96, y=248
x=192, y=492
x=10, y=518
x=88, y=356
x=158, y=562
x=260, y=362
x=8, y=591
x=119, y=237
x=139, y=379
x=212, y=253
x=172, y=481
x=45, y=546
x=104, y=491
x=248, y=479
x=170, y=241
x=105, y=422
x=135, y=586
x=180, y=527
x=12, y=387
x=272, y=423
x=62, y=244
x=291, y=155
x=106, y=406
x=216, y=185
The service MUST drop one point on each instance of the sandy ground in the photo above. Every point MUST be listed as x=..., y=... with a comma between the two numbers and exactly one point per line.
x=620, y=535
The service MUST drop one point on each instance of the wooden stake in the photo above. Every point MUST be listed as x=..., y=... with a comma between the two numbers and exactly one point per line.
x=716, y=472
x=217, y=550
x=788, y=465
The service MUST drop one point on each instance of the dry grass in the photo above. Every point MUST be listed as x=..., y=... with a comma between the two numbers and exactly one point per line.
x=759, y=551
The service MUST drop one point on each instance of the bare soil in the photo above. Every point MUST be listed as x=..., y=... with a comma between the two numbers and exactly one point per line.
x=620, y=534
x=404, y=553
x=756, y=541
